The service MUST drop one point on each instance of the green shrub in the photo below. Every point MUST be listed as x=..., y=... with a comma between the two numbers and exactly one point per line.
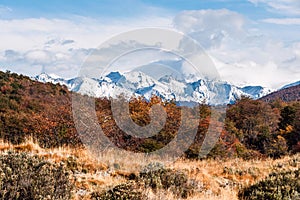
x=278, y=186
x=28, y=177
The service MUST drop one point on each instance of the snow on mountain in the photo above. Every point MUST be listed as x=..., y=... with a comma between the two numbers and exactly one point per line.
x=114, y=77
x=256, y=91
x=43, y=77
x=167, y=87
x=291, y=85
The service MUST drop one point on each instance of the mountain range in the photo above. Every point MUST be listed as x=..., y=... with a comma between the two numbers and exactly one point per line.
x=137, y=83
x=288, y=93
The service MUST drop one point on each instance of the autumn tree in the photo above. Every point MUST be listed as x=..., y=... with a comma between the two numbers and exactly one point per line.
x=257, y=123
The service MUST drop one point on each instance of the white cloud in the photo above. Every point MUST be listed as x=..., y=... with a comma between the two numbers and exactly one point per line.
x=202, y=20
x=288, y=7
x=59, y=45
x=265, y=74
x=210, y=26
x=24, y=34
x=39, y=57
x=242, y=56
x=282, y=21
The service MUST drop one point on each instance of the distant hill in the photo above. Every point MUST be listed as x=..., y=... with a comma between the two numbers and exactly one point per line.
x=32, y=109
x=291, y=85
x=286, y=94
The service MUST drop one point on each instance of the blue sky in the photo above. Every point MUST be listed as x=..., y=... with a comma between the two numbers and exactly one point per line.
x=125, y=8
x=253, y=42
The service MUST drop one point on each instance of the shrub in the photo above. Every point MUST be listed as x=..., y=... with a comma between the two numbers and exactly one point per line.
x=125, y=191
x=29, y=177
x=278, y=186
x=153, y=176
x=157, y=177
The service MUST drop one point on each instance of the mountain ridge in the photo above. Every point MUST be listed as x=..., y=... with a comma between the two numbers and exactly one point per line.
x=291, y=85
x=287, y=94
x=167, y=87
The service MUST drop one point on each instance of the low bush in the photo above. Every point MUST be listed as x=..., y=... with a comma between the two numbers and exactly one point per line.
x=278, y=186
x=125, y=191
x=29, y=177
x=154, y=176
x=157, y=177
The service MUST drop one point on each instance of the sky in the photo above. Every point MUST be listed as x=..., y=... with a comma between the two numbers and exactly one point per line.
x=251, y=42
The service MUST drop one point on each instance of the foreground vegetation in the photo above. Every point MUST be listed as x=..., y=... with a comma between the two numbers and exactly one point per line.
x=76, y=174
x=277, y=186
x=25, y=176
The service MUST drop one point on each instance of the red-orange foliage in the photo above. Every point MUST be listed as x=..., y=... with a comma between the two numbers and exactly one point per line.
x=44, y=111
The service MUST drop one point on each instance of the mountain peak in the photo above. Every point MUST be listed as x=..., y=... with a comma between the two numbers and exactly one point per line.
x=44, y=77
x=167, y=87
x=114, y=76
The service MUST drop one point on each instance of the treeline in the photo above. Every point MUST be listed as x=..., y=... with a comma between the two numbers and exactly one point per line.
x=256, y=128
x=252, y=128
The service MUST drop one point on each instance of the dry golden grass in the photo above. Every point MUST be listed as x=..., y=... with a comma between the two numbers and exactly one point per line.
x=217, y=179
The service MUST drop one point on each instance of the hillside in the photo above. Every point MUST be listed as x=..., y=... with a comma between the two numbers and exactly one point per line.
x=43, y=111
x=30, y=108
x=286, y=94
x=39, y=143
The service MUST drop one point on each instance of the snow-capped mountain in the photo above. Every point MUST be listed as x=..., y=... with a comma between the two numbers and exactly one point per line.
x=51, y=78
x=167, y=87
x=291, y=85
x=256, y=92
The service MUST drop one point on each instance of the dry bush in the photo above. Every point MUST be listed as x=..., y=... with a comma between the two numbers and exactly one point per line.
x=126, y=191
x=277, y=186
x=29, y=177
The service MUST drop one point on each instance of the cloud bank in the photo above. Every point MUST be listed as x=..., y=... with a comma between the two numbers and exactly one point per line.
x=243, y=55
x=287, y=7
x=60, y=46
x=245, y=52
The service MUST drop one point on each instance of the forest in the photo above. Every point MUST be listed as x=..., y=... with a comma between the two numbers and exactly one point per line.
x=252, y=128
x=255, y=154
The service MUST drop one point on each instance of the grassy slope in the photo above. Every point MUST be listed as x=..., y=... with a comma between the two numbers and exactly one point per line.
x=218, y=179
